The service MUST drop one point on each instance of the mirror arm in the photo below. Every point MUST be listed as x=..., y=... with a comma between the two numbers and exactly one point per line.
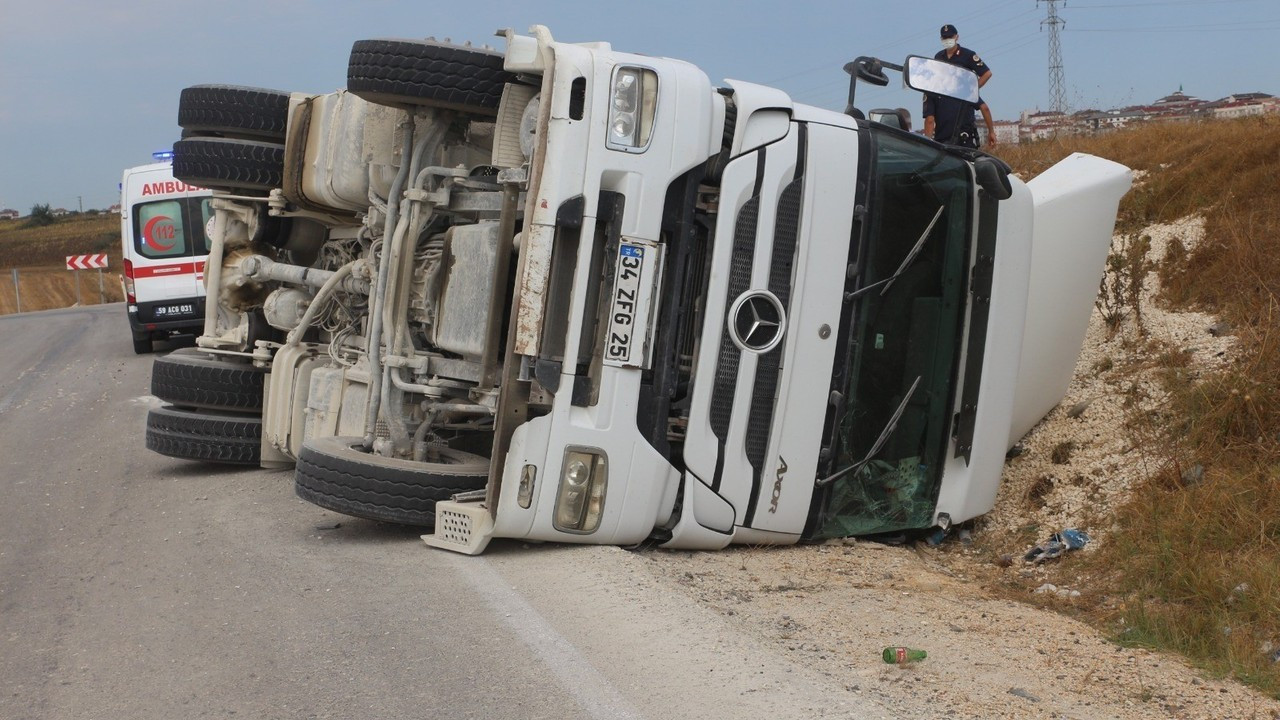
x=852, y=69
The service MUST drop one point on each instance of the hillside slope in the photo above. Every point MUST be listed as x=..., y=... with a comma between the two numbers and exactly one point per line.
x=39, y=254
x=1166, y=450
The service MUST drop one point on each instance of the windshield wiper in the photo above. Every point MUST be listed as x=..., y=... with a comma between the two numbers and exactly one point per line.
x=878, y=445
x=906, y=261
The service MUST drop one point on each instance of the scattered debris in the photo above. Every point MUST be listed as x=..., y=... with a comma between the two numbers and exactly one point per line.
x=1023, y=694
x=1015, y=451
x=1078, y=409
x=902, y=655
x=1005, y=560
x=1056, y=545
x=1237, y=592
x=1048, y=588
x=329, y=526
x=1193, y=476
x=1219, y=328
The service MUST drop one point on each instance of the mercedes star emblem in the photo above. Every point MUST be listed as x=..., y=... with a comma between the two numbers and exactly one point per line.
x=757, y=322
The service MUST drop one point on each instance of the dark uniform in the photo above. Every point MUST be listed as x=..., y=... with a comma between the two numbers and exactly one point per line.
x=954, y=122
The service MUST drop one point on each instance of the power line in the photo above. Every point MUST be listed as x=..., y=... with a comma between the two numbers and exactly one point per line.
x=885, y=47
x=1158, y=3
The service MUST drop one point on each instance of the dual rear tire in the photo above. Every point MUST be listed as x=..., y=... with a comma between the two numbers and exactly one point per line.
x=214, y=410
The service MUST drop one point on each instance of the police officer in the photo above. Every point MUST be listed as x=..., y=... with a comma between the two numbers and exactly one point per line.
x=949, y=120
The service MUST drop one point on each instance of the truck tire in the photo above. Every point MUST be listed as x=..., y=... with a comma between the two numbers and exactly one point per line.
x=336, y=474
x=189, y=378
x=229, y=164
x=234, y=111
x=205, y=435
x=427, y=73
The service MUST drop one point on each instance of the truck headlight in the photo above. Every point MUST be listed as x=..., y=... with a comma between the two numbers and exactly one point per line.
x=580, y=500
x=633, y=100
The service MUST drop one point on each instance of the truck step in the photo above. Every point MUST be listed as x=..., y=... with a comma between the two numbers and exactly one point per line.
x=463, y=527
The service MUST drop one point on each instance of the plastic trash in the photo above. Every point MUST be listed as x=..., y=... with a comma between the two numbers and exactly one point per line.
x=1057, y=544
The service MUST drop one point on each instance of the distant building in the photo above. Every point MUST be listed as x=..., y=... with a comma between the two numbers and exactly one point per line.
x=114, y=209
x=8, y=214
x=1041, y=125
x=60, y=212
x=1245, y=105
x=1006, y=132
x=1175, y=107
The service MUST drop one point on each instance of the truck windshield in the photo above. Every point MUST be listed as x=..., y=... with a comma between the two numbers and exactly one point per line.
x=904, y=349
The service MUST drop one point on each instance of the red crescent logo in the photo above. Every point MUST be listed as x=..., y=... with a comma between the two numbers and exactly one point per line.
x=148, y=233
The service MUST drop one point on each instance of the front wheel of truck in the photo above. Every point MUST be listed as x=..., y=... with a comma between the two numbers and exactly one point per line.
x=426, y=73
x=338, y=474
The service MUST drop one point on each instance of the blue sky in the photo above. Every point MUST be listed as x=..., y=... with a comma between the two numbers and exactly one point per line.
x=88, y=88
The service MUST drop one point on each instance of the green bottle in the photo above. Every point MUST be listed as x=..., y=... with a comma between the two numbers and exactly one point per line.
x=903, y=655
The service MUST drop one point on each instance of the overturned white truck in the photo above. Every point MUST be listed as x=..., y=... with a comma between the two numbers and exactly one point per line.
x=565, y=293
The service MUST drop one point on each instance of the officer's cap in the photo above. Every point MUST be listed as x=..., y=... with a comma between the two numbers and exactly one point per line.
x=949, y=31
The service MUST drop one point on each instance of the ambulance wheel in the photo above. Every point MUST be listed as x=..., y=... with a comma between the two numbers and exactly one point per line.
x=205, y=435
x=337, y=474
x=233, y=111
x=194, y=379
x=427, y=73
x=141, y=344
x=229, y=164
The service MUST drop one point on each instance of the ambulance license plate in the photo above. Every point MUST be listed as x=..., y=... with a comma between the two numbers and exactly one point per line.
x=171, y=310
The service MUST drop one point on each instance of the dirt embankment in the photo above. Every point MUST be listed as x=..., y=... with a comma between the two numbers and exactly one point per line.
x=1000, y=634
x=36, y=258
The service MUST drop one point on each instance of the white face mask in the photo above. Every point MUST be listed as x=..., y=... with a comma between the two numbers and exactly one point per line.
x=948, y=43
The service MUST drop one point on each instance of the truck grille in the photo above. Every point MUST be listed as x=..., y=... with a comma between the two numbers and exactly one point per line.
x=744, y=247
x=782, y=258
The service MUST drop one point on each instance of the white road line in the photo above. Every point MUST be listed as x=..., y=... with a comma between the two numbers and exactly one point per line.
x=574, y=672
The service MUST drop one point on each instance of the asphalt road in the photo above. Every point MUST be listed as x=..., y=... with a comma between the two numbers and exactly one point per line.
x=137, y=586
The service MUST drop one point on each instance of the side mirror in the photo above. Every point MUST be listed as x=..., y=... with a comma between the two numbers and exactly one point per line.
x=993, y=177
x=868, y=70
x=941, y=78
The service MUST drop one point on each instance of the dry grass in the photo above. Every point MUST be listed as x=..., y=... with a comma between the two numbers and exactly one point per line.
x=1194, y=564
x=40, y=255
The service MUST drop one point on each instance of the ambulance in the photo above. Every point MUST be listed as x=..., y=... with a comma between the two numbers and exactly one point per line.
x=164, y=242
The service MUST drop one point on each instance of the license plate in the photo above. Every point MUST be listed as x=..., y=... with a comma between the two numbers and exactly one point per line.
x=627, y=337
x=167, y=310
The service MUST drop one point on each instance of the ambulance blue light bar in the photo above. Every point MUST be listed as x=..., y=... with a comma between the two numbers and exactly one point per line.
x=161, y=155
